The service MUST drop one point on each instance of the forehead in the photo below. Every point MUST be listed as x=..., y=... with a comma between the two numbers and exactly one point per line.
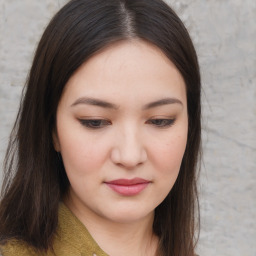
x=128, y=69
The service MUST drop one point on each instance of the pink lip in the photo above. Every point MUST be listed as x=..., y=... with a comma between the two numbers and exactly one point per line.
x=128, y=187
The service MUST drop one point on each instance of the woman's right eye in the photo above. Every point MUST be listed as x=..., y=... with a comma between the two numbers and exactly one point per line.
x=94, y=123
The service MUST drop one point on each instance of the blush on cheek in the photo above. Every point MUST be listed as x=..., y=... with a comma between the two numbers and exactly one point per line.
x=83, y=159
x=170, y=153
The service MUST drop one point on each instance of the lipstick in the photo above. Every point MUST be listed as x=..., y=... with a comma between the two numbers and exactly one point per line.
x=128, y=187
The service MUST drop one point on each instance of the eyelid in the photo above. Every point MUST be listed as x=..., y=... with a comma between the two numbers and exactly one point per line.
x=94, y=123
x=164, y=122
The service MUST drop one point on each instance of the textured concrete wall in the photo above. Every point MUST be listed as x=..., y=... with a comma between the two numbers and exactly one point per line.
x=224, y=32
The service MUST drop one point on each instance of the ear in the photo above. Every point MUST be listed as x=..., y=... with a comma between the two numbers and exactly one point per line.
x=55, y=141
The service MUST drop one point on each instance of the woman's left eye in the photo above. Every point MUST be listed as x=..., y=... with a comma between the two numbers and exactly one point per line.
x=94, y=123
x=162, y=123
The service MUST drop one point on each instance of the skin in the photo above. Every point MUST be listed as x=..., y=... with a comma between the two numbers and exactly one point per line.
x=133, y=139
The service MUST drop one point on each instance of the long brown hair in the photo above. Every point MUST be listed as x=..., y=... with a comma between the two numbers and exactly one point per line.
x=35, y=178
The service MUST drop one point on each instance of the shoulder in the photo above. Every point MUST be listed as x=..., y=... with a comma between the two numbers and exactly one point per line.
x=20, y=248
x=71, y=238
x=15, y=247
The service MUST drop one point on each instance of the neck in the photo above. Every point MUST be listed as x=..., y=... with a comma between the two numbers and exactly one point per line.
x=115, y=238
x=126, y=239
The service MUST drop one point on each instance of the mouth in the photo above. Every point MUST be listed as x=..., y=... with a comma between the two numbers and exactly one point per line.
x=128, y=187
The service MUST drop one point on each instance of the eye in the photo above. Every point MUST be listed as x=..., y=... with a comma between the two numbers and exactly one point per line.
x=162, y=123
x=94, y=123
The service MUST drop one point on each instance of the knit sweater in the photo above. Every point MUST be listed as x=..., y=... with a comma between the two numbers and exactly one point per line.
x=71, y=239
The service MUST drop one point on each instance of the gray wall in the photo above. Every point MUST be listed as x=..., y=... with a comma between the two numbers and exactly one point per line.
x=224, y=32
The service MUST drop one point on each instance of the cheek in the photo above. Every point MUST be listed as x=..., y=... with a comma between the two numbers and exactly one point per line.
x=81, y=154
x=167, y=156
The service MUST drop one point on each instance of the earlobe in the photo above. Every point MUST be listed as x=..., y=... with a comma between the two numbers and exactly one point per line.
x=55, y=141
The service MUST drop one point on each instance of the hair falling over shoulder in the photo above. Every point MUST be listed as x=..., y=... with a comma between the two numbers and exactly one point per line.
x=35, y=178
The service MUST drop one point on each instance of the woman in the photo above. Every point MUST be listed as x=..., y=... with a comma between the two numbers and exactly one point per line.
x=103, y=155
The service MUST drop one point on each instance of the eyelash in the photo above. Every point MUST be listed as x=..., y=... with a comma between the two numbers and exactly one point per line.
x=94, y=123
x=101, y=123
x=161, y=122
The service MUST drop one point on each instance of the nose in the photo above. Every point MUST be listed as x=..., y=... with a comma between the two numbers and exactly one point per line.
x=129, y=150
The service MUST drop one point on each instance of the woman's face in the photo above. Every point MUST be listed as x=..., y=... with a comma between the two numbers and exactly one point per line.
x=122, y=131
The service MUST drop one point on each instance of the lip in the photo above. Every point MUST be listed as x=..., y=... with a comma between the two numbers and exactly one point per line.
x=128, y=187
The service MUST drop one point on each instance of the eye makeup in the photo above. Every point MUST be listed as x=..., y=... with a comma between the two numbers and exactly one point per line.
x=162, y=122
x=94, y=123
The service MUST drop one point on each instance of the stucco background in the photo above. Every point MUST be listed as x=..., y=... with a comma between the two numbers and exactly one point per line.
x=224, y=33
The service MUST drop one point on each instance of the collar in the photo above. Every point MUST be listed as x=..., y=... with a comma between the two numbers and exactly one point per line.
x=72, y=237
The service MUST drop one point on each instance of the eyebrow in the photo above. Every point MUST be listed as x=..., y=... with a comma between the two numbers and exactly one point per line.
x=95, y=102
x=105, y=104
x=165, y=101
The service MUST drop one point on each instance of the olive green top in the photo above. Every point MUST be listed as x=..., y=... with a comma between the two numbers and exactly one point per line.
x=71, y=239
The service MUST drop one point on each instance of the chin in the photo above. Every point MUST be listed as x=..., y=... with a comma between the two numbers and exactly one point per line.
x=129, y=215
